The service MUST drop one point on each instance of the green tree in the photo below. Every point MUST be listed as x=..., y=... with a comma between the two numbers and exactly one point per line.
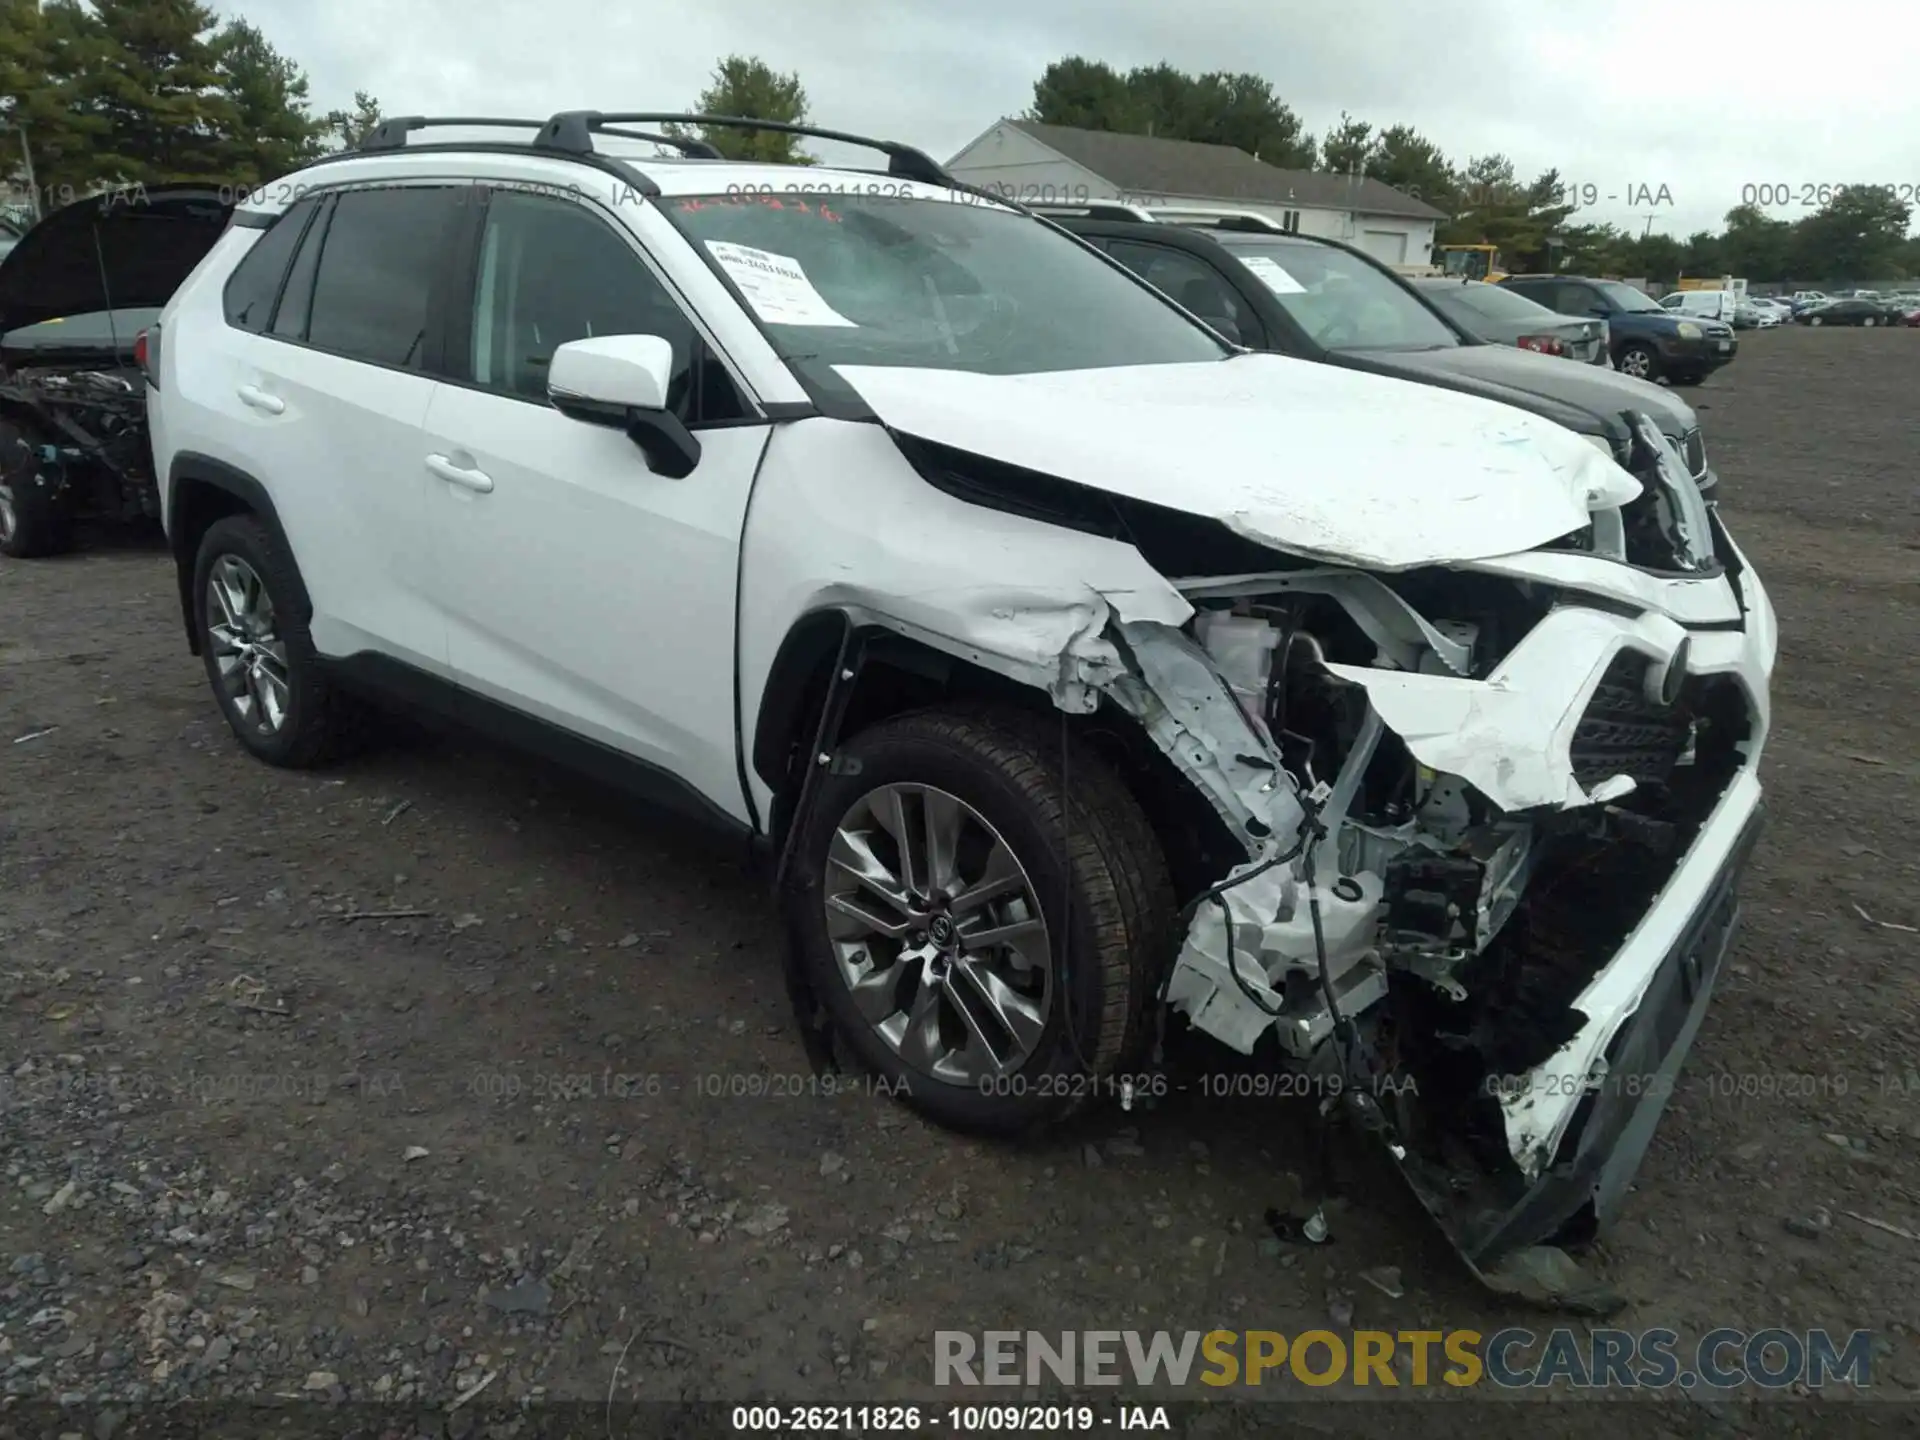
x=274, y=129
x=1701, y=256
x=1655, y=257
x=1495, y=208
x=750, y=89
x=1159, y=100
x=1241, y=110
x=1595, y=249
x=1218, y=108
x=1861, y=234
x=1348, y=147
x=1755, y=246
x=347, y=128
x=1085, y=94
x=44, y=51
x=1405, y=159
x=149, y=71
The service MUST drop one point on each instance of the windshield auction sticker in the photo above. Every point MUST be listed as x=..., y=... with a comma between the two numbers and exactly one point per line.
x=775, y=285
x=1272, y=275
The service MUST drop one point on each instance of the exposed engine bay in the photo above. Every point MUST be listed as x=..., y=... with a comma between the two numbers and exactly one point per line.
x=90, y=429
x=1460, y=794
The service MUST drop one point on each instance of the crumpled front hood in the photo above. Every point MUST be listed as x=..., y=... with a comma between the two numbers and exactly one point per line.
x=1310, y=459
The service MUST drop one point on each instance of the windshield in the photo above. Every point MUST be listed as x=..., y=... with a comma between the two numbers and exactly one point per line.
x=1341, y=300
x=1625, y=297
x=1467, y=264
x=1495, y=303
x=860, y=279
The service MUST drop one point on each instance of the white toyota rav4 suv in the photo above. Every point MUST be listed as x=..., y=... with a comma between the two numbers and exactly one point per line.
x=1072, y=666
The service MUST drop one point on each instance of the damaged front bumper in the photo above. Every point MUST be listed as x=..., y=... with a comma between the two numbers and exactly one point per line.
x=1605, y=1113
x=1515, y=1118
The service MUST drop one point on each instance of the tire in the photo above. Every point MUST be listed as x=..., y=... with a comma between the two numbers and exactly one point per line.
x=1072, y=829
x=1815, y=321
x=1639, y=360
x=1867, y=321
x=315, y=721
x=34, y=522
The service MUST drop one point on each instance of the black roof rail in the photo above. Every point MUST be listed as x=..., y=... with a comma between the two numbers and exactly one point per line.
x=392, y=134
x=1255, y=224
x=687, y=145
x=572, y=132
x=1092, y=210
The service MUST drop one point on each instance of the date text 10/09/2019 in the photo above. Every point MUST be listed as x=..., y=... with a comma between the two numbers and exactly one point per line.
x=952, y=1419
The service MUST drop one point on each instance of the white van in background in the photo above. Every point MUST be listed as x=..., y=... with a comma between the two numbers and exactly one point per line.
x=1706, y=304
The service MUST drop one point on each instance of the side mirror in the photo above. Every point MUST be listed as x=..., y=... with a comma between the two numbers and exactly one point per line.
x=622, y=380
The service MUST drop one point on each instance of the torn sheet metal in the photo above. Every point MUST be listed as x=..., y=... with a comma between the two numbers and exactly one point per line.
x=1177, y=695
x=1306, y=458
x=1022, y=598
x=1510, y=735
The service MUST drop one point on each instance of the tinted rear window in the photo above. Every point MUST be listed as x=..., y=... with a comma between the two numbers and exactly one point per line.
x=1496, y=303
x=255, y=282
x=383, y=251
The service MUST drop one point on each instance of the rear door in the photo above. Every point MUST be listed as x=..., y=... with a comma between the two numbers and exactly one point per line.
x=331, y=384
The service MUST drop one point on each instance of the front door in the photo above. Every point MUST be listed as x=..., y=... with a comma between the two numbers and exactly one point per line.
x=579, y=586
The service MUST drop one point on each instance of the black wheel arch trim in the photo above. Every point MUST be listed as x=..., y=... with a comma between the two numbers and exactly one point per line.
x=190, y=470
x=819, y=662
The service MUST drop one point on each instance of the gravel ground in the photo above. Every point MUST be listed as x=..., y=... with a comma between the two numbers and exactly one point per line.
x=439, y=1070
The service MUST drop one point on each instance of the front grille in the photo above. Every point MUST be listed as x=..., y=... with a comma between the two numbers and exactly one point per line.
x=1625, y=733
x=1694, y=447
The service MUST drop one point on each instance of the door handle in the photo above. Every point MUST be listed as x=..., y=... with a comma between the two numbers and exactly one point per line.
x=455, y=474
x=260, y=400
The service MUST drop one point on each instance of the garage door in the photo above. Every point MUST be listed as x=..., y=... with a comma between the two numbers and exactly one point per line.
x=1387, y=245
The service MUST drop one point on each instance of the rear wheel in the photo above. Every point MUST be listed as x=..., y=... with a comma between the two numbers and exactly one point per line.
x=34, y=517
x=1815, y=320
x=258, y=653
x=1868, y=321
x=1639, y=361
x=984, y=915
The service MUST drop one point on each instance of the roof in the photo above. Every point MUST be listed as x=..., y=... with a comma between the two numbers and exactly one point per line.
x=576, y=175
x=1149, y=165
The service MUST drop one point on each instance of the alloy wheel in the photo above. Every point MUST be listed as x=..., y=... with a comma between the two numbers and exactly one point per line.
x=247, y=649
x=1636, y=363
x=937, y=932
x=9, y=519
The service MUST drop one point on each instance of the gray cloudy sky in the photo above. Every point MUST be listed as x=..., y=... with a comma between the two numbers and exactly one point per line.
x=1619, y=94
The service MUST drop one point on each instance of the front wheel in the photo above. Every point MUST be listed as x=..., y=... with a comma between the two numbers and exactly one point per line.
x=1639, y=361
x=985, y=913
x=1814, y=320
x=1868, y=321
x=34, y=517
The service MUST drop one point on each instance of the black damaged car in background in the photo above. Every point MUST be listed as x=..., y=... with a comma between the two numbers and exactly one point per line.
x=77, y=292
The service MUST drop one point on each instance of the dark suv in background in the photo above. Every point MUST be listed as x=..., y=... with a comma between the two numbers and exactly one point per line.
x=1649, y=341
x=1316, y=299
